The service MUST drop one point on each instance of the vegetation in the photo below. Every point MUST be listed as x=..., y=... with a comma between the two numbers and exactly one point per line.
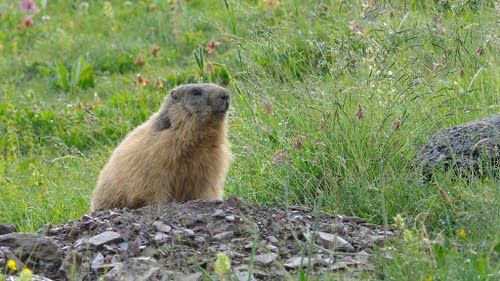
x=330, y=101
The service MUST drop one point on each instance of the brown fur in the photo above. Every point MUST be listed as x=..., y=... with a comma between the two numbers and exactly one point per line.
x=181, y=153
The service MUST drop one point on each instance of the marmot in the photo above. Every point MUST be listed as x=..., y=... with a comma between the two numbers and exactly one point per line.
x=181, y=153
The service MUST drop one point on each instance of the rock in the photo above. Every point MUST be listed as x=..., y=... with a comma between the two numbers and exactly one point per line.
x=142, y=233
x=188, y=232
x=41, y=251
x=160, y=226
x=123, y=246
x=7, y=228
x=244, y=276
x=218, y=213
x=135, y=269
x=107, y=237
x=160, y=237
x=469, y=147
x=223, y=235
x=97, y=261
x=264, y=259
x=296, y=262
x=331, y=241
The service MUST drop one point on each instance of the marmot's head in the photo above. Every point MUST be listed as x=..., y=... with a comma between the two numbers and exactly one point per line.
x=203, y=104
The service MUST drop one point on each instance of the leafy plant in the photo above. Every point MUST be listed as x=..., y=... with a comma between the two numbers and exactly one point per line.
x=81, y=75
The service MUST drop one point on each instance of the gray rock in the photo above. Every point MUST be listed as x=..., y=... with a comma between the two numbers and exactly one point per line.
x=223, y=235
x=332, y=241
x=36, y=247
x=265, y=259
x=135, y=269
x=160, y=226
x=107, y=237
x=296, y=262
x=97, y=261
x=469, y=147
x=160, y=237
x=243, y=276
x=7, y=228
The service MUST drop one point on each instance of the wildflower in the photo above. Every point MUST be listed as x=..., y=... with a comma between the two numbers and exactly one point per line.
x=480, y=51
x=353, y=26
x=159, y=84
x=141, y=80
x=408, y=236
x=28, y=6
x=211, y=46
x=281, y=158
x=155, y=49
x=139, y=61
x=11, y=264
x=395, y=125
x=267, y=108
x=222, y=265
x=399, y=222
x=27, y=21
x=108, y=10
x=462, y=234
x=26, y=274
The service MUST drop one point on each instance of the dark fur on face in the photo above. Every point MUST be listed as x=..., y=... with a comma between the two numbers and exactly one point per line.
x=205, y=102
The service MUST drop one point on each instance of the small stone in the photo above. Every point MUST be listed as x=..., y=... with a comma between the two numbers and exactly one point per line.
x=230, y=218
x=107, y=237
x=134, y=247
x=264, y=259
x=329, y=240
x=160, y=237
x=223, y=235
x=188, y=232
x=272, y=239
x=160, y=226
x=296, y=262
x=244, y=276
x=123, y=246
x=200, y=239
x=218, y=213
x=272, y=248
x=97, y=261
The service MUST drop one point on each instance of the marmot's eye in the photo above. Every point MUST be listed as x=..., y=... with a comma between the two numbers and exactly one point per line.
x=196, y=93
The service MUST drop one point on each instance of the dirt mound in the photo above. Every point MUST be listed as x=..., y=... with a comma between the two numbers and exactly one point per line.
x=180, y=241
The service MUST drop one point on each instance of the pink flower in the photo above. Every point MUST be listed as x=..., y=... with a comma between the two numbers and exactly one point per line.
x=353, y=25
x=28, y=6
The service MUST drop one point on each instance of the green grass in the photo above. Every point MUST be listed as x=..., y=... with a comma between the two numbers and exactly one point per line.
x=297, y=74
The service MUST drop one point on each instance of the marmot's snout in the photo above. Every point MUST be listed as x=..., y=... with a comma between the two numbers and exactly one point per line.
x=223, y=103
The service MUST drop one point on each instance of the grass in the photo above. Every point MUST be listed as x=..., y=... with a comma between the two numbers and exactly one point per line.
x=298, y=73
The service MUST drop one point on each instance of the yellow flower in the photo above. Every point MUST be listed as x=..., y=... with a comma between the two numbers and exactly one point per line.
x=399, y=222
x=222, y=265
x=26, y=275
x=11, y=264
x=428, y=278
x=462, y=234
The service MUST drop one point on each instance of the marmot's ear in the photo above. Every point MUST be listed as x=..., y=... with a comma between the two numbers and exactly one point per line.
x=174, y=94
x=162, y=121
